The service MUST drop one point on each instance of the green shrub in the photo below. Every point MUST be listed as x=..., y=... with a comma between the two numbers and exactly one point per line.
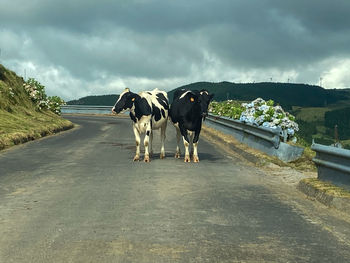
x=36, y=91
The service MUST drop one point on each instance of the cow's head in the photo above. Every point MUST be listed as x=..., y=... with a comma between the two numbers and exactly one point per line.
x=125, y=101
x=204, y=100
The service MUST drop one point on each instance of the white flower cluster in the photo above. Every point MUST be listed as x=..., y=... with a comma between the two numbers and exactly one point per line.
x=54, y=104
x=36, y=92
x=12, y=94
x=258, y=112
x=262, y=113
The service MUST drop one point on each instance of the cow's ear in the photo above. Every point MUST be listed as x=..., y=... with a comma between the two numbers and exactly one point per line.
x=193, y=97
x=132, y=97
x=211, y=96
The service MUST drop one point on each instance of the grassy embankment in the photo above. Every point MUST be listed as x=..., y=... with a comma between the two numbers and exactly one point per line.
x=20, y=120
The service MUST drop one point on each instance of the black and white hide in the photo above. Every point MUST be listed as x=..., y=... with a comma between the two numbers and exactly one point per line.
x=187, y=111
x=148, y=111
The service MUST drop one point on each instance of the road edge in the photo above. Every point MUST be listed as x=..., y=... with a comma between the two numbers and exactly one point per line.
x=314, y=189
x=326, y=193
x=42, y=134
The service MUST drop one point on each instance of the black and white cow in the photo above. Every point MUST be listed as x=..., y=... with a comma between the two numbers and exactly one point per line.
x=148, y=111
x=187, y=111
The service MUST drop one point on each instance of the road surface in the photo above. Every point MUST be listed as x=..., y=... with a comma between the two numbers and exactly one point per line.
x=78, y=197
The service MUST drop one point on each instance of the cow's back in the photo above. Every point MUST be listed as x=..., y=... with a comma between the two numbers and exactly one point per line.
x=160, y=106
x=186, y=109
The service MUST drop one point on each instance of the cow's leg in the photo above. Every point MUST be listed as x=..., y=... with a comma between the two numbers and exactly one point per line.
x=195, y=145
x=186, y=144
x=191, y=143
x=162, y=140
x=138, y=140
x=178, y=138
x=151, y=144
x=146, y=142
x=187, y=153
x=195, y=152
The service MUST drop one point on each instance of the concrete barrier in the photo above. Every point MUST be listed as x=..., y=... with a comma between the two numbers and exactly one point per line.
x=260, y=138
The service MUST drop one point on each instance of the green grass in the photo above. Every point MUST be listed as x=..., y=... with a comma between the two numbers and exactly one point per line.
x=310, y=114
x=23, y=125
x=20, y=120
x=311, y=122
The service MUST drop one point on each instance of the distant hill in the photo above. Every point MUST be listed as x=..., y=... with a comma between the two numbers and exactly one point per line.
x=103, y=100
x=286, y=94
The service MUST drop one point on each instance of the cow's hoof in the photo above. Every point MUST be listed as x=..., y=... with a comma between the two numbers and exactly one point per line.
x=162, y=156
x=146, y=160
x=187, y=159
x=177, y=155
x=151, y=154
x=136, y=158
x=195, y=159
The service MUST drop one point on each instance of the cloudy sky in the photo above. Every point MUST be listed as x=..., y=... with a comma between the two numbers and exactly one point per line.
x=88, y=47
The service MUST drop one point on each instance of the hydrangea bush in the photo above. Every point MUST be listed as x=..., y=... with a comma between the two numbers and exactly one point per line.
x=36, y=92
x=258, y=112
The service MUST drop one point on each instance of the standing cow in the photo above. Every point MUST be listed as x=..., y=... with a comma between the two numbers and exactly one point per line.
x=186, y=112
x=148, y=111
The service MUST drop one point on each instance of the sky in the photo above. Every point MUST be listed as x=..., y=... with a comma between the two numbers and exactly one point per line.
x=77, y=48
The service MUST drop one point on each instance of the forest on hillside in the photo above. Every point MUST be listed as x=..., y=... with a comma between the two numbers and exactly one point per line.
x=100, y=100
x=285, y=94
x=341, y=119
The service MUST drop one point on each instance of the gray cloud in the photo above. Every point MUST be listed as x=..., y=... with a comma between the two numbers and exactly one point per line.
x=85, y=47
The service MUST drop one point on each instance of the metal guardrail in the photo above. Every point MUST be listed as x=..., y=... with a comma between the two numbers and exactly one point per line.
x=333, y=164
x=85, y=109
x=261, y=138
x=267, y=134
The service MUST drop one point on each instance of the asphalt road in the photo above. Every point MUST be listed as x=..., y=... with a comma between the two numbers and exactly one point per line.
x=78, y=197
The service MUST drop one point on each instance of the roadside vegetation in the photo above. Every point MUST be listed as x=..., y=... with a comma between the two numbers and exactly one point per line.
x=26, y=112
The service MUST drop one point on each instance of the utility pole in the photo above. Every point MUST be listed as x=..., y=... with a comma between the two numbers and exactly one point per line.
x=336, y=136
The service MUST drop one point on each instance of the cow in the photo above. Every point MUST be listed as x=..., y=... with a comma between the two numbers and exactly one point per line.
x=187, y=111
x=148, y=111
